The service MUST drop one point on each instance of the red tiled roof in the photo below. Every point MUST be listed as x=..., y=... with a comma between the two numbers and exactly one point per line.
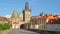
x=3, y=19
x=15, y=22
x=54, y=21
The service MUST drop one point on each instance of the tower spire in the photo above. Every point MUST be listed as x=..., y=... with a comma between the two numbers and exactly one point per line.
x=26, y=6
x=15, y=14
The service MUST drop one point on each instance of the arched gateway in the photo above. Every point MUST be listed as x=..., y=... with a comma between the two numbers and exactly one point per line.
x=16, y=20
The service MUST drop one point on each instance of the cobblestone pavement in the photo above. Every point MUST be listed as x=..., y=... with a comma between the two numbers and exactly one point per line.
x=32, y=31
x=5, y=31
x=22, y=32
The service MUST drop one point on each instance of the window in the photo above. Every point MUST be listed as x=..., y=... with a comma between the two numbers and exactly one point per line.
x=36, y=22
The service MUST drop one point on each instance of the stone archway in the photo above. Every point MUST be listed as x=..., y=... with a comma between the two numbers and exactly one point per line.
x=22, y=26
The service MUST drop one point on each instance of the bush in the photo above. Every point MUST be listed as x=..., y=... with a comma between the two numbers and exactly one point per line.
x=1, y=26
x=5, y=26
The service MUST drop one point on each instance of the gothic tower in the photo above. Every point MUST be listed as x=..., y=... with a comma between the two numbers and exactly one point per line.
x=26, y=13
x=15, y=19
x=15, y=14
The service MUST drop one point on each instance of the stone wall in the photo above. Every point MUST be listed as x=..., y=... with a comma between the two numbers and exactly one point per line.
x=52, y=27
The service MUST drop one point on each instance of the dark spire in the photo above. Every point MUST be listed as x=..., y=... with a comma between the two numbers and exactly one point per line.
x=26, y=6
x=42, y=13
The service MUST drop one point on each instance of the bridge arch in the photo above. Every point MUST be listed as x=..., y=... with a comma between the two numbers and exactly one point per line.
x=24, y=26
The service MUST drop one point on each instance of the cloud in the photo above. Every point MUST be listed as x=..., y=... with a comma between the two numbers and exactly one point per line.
x=7, y=16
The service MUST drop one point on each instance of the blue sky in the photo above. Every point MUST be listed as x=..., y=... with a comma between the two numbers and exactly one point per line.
x=37, y=6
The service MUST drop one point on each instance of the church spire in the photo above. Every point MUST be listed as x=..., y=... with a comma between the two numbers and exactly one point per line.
x=26, y=6
x=15, y=14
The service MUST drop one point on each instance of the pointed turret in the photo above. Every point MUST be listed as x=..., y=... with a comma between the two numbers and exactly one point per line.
x=41, y=14
x=26, y=6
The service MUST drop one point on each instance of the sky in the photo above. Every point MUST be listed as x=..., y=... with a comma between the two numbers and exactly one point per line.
x=37, y=6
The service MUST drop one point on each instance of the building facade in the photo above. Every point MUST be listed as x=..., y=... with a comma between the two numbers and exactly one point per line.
x=4, y=20
x=45, y=22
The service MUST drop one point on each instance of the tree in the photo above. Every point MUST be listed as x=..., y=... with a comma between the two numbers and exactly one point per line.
x=5, y=26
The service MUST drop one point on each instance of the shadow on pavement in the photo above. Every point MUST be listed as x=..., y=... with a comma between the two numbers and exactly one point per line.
x=44, y=31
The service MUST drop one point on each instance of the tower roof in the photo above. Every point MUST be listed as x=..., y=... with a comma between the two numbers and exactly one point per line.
x=26, y=6
x=15, y=14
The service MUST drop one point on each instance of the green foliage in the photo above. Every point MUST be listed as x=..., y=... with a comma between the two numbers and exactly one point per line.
x=5, y=26
x=1, y=25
